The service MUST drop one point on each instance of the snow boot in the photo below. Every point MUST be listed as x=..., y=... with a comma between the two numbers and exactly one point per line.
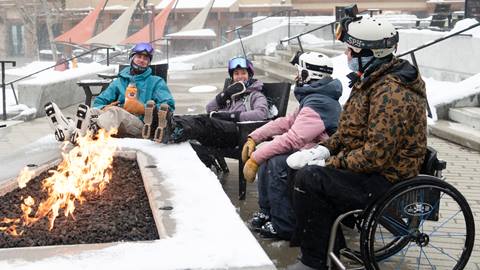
x=150, y=120
x=163, y=130
x=259, y=219
x=82, y=122
x=62, y=126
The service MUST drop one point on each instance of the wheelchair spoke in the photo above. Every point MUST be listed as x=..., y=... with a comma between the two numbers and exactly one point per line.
x=445, y=222
x=426, y=257
x=443, y=252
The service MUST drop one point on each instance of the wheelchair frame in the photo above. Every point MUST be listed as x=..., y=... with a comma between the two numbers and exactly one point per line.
x=430, y=178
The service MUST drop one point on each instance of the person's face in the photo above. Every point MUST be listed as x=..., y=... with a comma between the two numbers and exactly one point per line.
x=348, y=53
x=240, y=75
x=141, y=60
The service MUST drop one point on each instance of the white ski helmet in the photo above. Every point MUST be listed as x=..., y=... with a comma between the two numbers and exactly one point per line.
x=314, y=65
x=370, y=33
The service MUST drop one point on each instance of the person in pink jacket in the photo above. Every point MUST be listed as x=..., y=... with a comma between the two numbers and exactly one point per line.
x=313, y=121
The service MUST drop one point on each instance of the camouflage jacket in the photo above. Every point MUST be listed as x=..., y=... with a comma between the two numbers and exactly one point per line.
x=382, y=127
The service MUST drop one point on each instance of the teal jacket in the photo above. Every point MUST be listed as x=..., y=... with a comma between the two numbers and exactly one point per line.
x=149, y=87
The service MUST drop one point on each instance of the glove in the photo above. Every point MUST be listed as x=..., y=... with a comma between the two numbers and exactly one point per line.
x=227, y=116
x=113, y=104
x=301, y=158
x=250, y=170
x=132, y=105
x=228, y=92
x=248, y=149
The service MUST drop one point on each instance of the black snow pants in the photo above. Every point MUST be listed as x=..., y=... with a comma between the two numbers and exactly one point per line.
x=320, y=195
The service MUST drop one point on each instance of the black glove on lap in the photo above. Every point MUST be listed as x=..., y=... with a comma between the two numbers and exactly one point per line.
x=227, y=116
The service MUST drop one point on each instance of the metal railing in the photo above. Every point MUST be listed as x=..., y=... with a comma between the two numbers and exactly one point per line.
x=331, y=24
x=4, y=84
x=288, y=11
x=412, y=51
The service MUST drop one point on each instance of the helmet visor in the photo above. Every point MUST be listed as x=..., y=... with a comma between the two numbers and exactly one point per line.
x=238, y=62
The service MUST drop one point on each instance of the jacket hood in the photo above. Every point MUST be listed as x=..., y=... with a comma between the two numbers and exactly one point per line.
x=328, y=87
x=398, y=70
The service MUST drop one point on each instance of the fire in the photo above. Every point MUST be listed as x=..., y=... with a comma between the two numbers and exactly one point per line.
x=85, y=168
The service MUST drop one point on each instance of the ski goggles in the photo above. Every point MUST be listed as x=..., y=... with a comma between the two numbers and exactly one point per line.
x=143, y=47
x=238, y=62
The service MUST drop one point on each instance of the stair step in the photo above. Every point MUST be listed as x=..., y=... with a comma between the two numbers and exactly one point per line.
x=469, y=116
x=457, y=133
x=279, y=64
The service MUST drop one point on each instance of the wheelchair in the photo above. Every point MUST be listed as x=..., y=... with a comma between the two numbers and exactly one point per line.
x=420, y=223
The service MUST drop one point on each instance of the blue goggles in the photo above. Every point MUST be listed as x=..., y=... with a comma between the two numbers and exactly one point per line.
x=238, y=62
x=143, y=47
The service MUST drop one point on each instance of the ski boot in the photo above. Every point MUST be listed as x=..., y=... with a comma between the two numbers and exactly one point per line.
x=162, y=132
x=150, y=120
x=82, y=122
x=62, y=126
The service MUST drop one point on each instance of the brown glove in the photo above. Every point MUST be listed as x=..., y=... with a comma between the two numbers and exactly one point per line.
x=132, y=105
x=250, y=170
x=248, y=149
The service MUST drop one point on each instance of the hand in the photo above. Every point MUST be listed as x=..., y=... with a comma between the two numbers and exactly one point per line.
x=301, y=158
x=113, y=104
x=250, y=170
x=248, y=149
x=228, y=92
x=227, y=116
x=133, y=106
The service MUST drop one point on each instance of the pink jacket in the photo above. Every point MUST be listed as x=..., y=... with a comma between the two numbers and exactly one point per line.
x=301, y=129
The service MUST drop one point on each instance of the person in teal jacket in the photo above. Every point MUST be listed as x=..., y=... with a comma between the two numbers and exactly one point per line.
x=122, y=105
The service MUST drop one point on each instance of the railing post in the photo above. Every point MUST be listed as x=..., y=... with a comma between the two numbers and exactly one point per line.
x=4, y=94
x=289, y=11
x=108, y=55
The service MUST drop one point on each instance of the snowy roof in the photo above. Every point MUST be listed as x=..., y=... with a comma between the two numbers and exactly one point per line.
x=200, y=33
x=197, y=4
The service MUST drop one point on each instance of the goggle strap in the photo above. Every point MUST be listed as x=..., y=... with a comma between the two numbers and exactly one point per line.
x=323, y=69
x=370, y=44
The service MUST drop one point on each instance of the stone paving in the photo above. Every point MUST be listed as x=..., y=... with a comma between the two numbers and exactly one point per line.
x=462, y=164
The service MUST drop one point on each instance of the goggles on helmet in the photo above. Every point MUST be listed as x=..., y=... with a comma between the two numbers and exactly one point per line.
x=143, y=48
x=238, y=62
x=342, y=35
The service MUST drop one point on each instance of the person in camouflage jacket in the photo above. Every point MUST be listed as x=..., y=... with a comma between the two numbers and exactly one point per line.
x=381, y=139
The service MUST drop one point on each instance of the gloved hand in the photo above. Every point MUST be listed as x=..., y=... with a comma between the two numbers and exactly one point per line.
x=132, y=105
x=301, y=158
x=250, y=170
x=227, y=116
x=228, y=92
x=248, y=149
x=113, y=104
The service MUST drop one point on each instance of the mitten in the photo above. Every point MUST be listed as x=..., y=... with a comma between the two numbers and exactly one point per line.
x=301, y=158
x=132, y=105
x=227, y=116
x=250, y=170
x=248, y=149
x=228, y=92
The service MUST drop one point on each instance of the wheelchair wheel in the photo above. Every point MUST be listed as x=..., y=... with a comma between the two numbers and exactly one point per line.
x=423, y=223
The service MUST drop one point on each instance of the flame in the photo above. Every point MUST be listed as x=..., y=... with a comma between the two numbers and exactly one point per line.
x=85, y=168
x=24, y=177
